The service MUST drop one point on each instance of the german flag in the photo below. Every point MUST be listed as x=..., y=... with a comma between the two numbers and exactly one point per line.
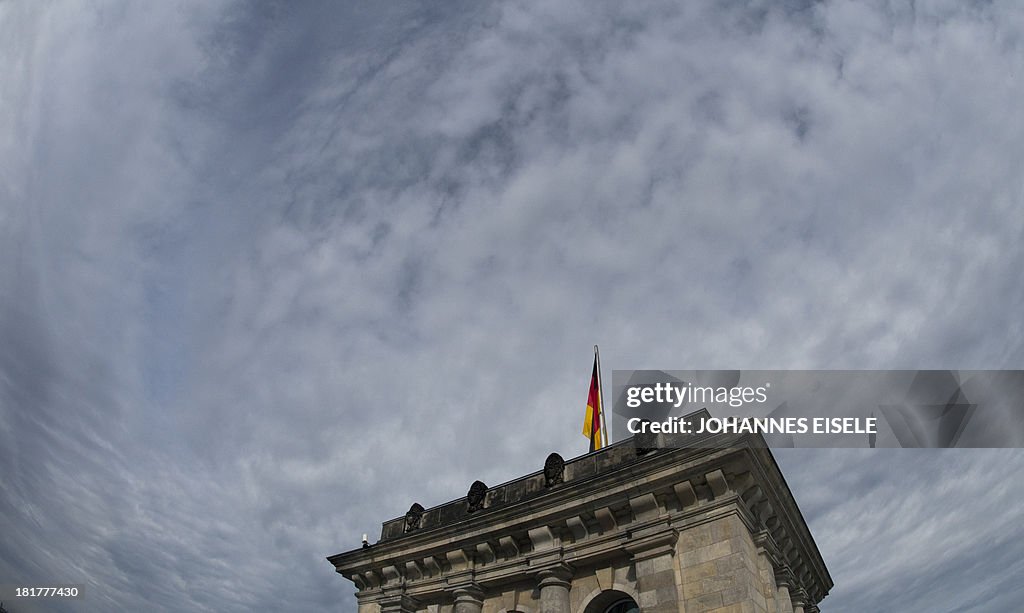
x=592, y=421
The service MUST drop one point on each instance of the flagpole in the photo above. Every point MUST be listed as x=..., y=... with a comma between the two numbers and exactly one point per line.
x=605, y=424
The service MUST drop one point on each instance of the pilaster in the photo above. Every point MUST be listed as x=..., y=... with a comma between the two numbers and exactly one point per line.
x=653, y=551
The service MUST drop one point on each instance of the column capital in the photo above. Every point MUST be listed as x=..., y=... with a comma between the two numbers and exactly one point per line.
x=469, y=593
x=763, y=539
x=783, y=576
x=799, y=598
x=399, y=604
x=657, y=542
x=555, y=575
x=554, y=583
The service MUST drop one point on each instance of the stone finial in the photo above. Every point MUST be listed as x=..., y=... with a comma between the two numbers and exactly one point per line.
x=554, y=470
x=413, y=517
x=475, y=496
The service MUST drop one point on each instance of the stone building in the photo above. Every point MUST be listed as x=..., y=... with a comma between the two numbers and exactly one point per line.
x=710, y=528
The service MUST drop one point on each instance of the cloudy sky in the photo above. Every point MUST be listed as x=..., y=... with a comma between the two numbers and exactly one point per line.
x=270, y=272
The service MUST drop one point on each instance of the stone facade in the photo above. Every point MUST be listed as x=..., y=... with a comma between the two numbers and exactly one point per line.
x=682, y=530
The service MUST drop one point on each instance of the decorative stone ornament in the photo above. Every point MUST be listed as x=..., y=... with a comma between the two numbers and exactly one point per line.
x=475, y=496
x=645, y=443
x=554, y=470
x=413, y=517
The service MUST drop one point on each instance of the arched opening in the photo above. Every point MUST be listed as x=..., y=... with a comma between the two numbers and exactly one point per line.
x=612, y=601
x=628, y=605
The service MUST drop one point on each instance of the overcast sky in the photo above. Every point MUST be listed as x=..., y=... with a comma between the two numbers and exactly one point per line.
x=271, y=272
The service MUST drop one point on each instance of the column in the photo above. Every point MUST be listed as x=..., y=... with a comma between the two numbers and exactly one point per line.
x=798, y=601
x=766, y=570
x=468, y=599
x=366, y=606
x=554, y=589
x=785, y=605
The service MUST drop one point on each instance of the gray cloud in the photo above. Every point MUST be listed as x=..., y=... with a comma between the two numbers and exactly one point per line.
x=901, y=529
x=270, y=274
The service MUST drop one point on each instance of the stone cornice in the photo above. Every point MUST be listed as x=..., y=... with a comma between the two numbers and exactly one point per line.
x=637, y=504
x=614, y=484
x=768, y=497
